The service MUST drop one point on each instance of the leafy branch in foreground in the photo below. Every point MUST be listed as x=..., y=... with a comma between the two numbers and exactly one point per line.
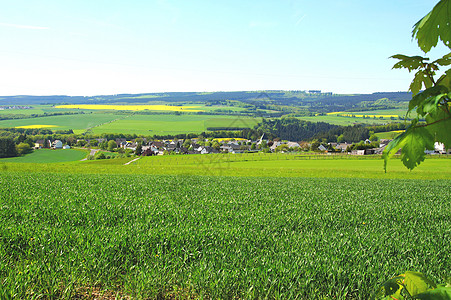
x=413, y=285
x=433, y=103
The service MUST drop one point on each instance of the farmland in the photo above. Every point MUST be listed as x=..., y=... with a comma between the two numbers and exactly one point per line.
x=44, y=156
x=78, y=123
x=172, y=124
x=153, y=107
x=68, y=235
x=162, y=124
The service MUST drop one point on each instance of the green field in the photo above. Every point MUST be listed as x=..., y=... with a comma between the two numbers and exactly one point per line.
x=388, y=134
x=43, y=156
x=163, y=236
x=247, y=165
x=78, y=123
x=156, y=124
x=172, y=124
x=345, y=121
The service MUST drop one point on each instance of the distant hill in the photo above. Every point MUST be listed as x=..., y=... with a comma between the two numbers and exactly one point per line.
x=315, y=100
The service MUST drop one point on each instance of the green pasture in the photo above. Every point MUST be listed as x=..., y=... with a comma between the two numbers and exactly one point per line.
x=345, y=121
x=291, y=165
x=78, y=122
x=387, y=135
x=74, y=236
x=252, y=165
x=43, y=156
x=166, y=124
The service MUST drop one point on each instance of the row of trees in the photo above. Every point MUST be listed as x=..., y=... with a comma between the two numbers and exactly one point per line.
x=9, y=148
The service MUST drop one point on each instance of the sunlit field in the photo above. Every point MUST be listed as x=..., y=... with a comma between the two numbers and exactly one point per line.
x=37, y=126
x=68, y=235
x=131, y=107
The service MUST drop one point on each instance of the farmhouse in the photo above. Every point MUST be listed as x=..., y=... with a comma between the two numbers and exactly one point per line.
x=57, y=144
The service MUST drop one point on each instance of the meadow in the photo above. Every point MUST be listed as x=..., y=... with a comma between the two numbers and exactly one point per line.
x=172, y=124
x=237, y=165
x=346, y=121
x=78, y=122
x=164, y=236
x=130, y=123
x=45, y=156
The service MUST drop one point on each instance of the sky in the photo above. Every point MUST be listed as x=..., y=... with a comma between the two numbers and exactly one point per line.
x=103, y=47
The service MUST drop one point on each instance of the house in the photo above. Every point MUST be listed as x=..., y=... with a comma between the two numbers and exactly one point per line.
x=149, y=151
x=57, y=144
x=40, y=144
x=121, y=143
x=322, y=148
x=275, y=145
x=358, y=152
x=157, y=145
x=293, y=145
x=341, y=147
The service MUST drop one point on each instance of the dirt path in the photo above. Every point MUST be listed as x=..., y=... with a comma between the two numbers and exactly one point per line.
x=127, y=163
x=93, y=152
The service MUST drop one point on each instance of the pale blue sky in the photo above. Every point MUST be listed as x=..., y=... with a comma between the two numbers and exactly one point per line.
x=91, y=47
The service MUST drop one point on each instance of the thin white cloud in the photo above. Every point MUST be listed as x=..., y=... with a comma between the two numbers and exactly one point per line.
x=300, y=20
x=257, y=24
x=24, y=26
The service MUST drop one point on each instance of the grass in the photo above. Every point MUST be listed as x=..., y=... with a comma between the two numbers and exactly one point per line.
x=171, y=124
x=345, y=121
x=44, y=156
x=78, y=122
x=388, y=134
x=254, y=165
x=158, y=236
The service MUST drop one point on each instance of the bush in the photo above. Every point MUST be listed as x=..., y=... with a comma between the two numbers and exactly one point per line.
x=24, y=148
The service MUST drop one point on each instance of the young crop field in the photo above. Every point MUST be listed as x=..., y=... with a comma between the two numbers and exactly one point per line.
x=44, y=156
x=345, y=121
x=76, y=235
x=242, y=165
x=172, y=124
x=78, y=122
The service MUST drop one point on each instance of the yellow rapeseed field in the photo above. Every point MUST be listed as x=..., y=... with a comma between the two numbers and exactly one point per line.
x=36, y=126
x=131, y=107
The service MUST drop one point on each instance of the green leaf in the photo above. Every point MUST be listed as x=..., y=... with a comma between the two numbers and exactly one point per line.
x=421, y=78
x=409, y=62
x=415, y=141
x=440, y=293
x=391, y=288
x=420, y=99
x=444, y=61
x=431, y=104
x=433, y=26
x=417, y=283
x=439, y=125
x=445, y=80
x=392, y=148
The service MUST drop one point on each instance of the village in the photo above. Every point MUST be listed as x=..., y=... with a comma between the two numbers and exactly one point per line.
x=144, y=147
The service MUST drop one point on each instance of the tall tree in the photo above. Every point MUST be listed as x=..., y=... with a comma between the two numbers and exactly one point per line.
x=7, y=148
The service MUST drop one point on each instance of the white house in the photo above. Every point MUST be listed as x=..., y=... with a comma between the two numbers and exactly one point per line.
x=322, y=148
x=57, y=144
x=293, y=145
